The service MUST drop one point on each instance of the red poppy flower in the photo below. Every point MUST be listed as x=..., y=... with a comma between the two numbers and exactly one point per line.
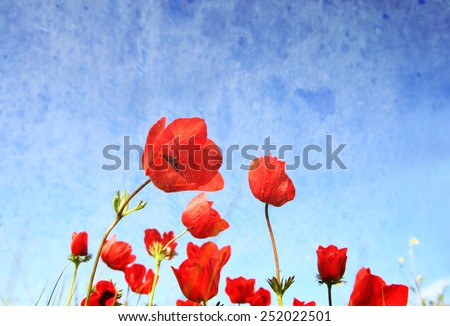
x=240, y=290
x=331, y=263
x=79, y=244
x=139, y=279
x=187, y=303
x=180, y=156
x=201, y=219
x=297, y=302
x=105, y=294
x=117, y=254
x=269, y=182
x=154, y=243
x=260, y=298
x=199, y=275
x=371, y=290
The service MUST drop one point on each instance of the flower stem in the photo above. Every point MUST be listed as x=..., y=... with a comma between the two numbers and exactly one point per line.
x=158, y=260
x=155, y=280
x=97, y=258
x=73, y=283
x=105, y=236
x=275, y=253
x=280, y=300
x=174, y=239
x=329, y=285
x=411, y=259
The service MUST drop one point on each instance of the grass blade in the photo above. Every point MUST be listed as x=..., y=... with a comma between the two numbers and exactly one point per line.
x=56, y=284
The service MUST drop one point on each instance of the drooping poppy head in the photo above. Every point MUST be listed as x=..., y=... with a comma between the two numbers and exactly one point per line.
x=331, y=263
x=269, y=182
x=117, y=254
x=181, y=157
x=201, y=219
x=371, y=290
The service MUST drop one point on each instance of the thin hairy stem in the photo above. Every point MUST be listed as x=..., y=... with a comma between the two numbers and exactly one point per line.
x=105, y=236
x=72, y=285
x=155, y=280
x=174, y=239
x=275, y=253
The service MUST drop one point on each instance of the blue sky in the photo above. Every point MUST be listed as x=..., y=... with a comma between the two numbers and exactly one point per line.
x=78, y=76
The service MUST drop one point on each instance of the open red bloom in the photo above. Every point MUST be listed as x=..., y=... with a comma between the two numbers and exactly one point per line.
x=180, y=156
x=269, y=182
x=371, y=290
x=260, y=298
x=201, y=219
x=117, y=254
x=79, y=244
x=199, y=275
x=331, y=263
x=297, y=302
x=155, y=243
x=240, y=289
x=105, y=294
x=139, y=279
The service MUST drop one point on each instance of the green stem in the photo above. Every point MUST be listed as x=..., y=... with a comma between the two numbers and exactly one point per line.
x=155, y=280
x=158, y=260
x=411, y=259
x=329, y=285
x=280, y=300
x=73, y=283
x=105, y=236
x=97, y=258
x=275, y=253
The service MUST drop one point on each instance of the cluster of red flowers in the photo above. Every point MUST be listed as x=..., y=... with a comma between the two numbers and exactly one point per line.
x=180, y=157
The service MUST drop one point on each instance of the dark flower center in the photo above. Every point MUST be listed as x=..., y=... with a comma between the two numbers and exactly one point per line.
x=105, y=297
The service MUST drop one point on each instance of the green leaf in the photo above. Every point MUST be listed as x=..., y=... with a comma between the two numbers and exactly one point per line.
x=280, y=287
x=273, y=282
x=287, y=283
x=116, y=202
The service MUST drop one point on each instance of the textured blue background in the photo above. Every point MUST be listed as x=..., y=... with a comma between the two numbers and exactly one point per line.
x=76, y=76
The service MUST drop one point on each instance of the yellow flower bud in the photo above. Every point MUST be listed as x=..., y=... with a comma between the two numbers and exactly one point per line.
x=413, y=242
